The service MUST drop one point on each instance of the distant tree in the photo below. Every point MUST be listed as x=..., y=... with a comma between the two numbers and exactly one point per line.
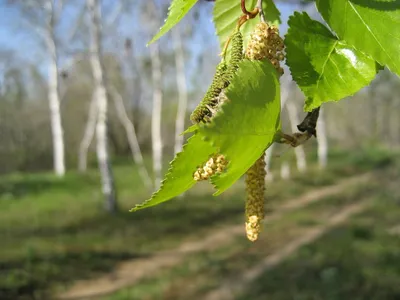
x=43, y=17
x=100, y=93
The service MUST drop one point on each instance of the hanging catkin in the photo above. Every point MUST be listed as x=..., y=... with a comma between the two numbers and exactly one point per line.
x=265, y=43
x=212, y=101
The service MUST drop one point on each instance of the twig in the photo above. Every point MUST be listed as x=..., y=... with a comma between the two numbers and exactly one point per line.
x=243, y=6
x=261, y=11
x=249, y=14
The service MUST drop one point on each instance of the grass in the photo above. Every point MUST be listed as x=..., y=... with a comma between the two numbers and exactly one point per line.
x=202, y=272
x=359, y=260
x=54, y=231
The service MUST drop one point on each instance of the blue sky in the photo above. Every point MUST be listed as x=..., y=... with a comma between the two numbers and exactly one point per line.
x=18, y=37
x=15, y=35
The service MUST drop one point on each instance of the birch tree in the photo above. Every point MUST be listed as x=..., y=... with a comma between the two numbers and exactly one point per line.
x=42, y=17
x=301, y=162
x=88, y=135
x=182, y=89
x=54, y=91
x=131, y=136
x=100, y=93
x=156, y=73
x=322, y=140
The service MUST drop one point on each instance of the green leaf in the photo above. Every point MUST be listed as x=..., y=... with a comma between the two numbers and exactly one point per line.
x=325, y=68
x=227, y=13
x=191, y=129
x=180, y=175
x=249, y=121
x=372, y=26
x=177, y=10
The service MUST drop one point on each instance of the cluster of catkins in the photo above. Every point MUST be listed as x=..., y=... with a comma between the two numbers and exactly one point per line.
x=265, y=43
x=216, y=164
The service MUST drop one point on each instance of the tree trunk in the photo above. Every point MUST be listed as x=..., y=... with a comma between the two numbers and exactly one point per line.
x=88, y=135
x=182, y=90
x=268, y=158
x=322, y=140
x=299, y=150
x=100, y=93
x=131, y=135
x=285, y=170
x=156, y=112
x=54, y=95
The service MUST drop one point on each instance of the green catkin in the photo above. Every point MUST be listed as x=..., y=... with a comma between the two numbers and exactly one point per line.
x=214, y=96
x=201, y=112
x=213, y=100
x=236, y=55
x=265, y=43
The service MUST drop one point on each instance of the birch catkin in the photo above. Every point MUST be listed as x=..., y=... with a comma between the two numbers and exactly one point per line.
x=265, y=43
x=212, y=102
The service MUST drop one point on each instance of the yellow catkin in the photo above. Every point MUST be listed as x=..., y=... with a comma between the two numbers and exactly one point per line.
x=215, y=165
x=255, y=187
x=265, y=43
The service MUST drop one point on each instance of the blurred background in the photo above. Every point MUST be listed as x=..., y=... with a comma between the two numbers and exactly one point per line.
x=90, y=118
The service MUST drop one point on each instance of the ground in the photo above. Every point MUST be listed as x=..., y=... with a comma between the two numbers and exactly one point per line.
x=54, y=237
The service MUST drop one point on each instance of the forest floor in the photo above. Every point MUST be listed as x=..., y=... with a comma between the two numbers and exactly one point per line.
x=131, y=272
x=54, y=235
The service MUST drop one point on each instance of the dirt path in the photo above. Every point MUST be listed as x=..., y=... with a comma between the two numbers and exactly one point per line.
x=232, y=287
x=129, y=272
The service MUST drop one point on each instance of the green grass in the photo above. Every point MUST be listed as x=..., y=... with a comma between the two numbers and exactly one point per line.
x=201, y=272
x=54, y=231
x=359, y=260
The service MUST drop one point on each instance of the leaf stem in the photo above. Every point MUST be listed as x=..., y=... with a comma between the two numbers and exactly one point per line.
x=243, y=6
x=261, y=11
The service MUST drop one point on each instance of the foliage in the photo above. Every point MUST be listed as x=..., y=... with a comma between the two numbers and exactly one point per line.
x=177, y=10
x=326, y=66
x=243, y=137
x=180, y=176
x=369, y=26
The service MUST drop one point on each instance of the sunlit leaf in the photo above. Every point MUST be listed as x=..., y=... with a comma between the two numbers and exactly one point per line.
x=372, y=26
x=180, y=175
x=249, y=121
x=177, y=10
x=324, y=67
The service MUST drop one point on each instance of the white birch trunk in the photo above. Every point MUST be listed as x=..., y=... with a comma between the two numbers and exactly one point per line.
x=268, y=158
x=88, y=135
x=156, y=112
x=54, y=94
x=131, y=135
x=299, y=150
x=182, y=90
x=102, y=101
x=322, y=140
x=285, y=170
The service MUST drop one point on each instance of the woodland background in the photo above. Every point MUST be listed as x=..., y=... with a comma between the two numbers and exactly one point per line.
x=90, y=117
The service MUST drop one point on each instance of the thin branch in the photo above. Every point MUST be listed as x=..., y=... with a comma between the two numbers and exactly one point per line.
x=243, y=6
x=250, y=14
x=261, y=11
